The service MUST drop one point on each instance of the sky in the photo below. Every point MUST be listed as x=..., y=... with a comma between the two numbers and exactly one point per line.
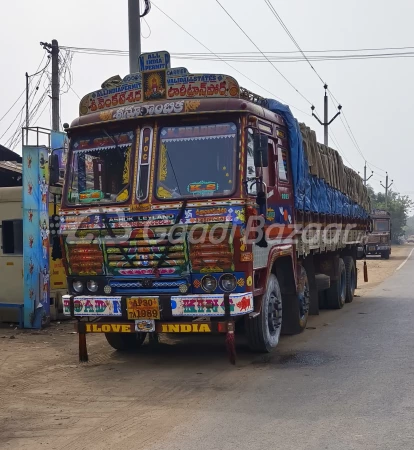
x=376, y=95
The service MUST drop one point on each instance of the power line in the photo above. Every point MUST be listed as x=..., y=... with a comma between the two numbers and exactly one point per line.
x=376, y=167
x=349, y=131
x=251, y=40
x=258, y=56
x=343, y=116
x=32, y=95
x=232, y=67
x=12, y=106
x=279, y=19
x=341, y=152
x=24, y=90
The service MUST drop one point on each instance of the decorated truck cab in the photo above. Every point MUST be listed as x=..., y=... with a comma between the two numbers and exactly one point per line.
x=379, y=239
x=191, y=205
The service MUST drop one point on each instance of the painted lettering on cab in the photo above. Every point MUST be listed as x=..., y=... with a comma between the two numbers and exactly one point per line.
x=107, y=328
x=186, y=328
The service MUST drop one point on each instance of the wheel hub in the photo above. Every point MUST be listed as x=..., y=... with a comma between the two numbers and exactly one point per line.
x=274, y=314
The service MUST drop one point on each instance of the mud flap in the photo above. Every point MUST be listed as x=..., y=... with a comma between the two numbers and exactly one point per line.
x=83, y=349
x=230, y=339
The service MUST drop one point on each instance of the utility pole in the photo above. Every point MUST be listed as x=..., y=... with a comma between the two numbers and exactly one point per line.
x=55, y=86
x=365, y=174
x=53, y=50
x=386, y=187
x=27, y=108
x=325, y=122
x=134, y=24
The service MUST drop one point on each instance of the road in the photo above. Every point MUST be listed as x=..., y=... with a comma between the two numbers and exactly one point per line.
x=346, y=383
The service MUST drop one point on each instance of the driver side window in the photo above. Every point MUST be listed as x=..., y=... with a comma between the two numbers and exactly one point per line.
x=251, y=169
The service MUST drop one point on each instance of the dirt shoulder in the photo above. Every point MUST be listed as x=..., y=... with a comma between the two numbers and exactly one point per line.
x=380, y=269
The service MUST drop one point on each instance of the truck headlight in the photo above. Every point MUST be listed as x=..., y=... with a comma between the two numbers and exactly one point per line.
x=228, y=282
x=92, y=286
x=209, y=283
x=77, y=286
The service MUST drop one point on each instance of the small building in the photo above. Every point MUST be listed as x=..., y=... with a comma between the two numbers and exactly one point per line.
x=10, y=168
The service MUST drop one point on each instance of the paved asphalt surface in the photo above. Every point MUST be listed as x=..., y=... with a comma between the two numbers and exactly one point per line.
x=346, y=383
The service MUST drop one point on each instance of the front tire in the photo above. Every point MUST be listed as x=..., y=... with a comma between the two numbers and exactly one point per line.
x=385, y=255
x=125, y=341
x=263, y=331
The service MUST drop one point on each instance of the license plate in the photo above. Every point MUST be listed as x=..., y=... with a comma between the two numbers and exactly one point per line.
x=143, y=308
x=144, y=326
x=372, y=249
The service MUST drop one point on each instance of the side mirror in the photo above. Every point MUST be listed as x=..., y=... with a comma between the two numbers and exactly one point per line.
x=260, y=154
x=53, y=169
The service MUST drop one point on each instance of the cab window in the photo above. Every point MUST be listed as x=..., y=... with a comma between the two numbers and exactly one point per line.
x=282, y=157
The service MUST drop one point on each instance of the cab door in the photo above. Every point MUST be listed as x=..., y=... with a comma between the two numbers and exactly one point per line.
x=284, y=213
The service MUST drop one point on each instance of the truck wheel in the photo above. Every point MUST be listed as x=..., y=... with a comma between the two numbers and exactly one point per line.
x=350, y=278
x=335, y=295
x=296, y=308
x=385, y=255
x=125, y=341
x=263, y=331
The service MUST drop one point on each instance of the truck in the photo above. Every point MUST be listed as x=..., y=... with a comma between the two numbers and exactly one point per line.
x=379, y=239
x=192, y=205
x=12, y=263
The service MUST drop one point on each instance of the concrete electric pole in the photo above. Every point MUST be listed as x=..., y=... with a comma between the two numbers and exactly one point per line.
x=53, y=50
x=365, y=174
x=134, y=23
x=27, y=109
x=325, y=122
x=55, y=86
x=387, y=187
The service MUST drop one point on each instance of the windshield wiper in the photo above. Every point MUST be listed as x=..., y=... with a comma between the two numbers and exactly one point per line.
x=115, y=141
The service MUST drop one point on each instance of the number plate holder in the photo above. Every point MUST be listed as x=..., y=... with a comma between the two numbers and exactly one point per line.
x=143, y=308
x=144, y=326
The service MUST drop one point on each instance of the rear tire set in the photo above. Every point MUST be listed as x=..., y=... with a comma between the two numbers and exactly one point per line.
x=336, y=294
x=296, y=310
x=351, y=278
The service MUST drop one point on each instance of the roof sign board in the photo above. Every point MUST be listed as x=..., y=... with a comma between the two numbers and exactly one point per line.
x=149, y=62
x=159, y=82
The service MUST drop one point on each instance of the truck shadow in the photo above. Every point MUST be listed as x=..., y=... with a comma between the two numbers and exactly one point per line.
x=392, y=257
x=192, y=350
x=209, y=352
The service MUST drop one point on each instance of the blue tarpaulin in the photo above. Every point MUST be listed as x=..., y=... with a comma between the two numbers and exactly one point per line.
x=311, y=193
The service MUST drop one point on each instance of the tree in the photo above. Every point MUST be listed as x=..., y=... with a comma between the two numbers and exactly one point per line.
x=398, y=206
x=409, y=228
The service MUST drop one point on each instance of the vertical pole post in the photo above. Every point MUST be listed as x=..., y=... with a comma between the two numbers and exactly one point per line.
x=386, y=190
x=55, y=86
x=325, y=119
x=27, y=108
x=365, y=174
x=134, y=23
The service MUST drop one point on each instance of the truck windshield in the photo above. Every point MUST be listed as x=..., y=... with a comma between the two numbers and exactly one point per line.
x=197, y=161
x=381, y=225
x=100, y=170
